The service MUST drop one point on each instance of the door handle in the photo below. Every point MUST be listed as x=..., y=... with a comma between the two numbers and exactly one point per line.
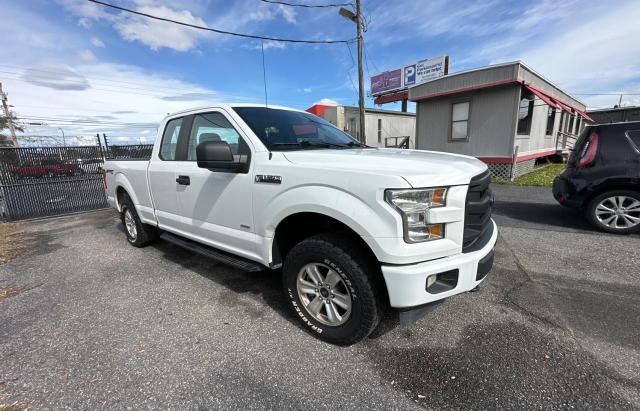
x=183, y=180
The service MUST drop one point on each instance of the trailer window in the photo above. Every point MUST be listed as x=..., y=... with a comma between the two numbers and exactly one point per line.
x=525, y=112
x=460, y=121
x=551, y=119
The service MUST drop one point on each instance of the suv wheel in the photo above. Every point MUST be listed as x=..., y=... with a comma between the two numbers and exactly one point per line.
x=615, y=212
x=138, y=233
x=330, y=290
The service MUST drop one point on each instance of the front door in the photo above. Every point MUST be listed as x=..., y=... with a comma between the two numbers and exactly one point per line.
x=215, y=206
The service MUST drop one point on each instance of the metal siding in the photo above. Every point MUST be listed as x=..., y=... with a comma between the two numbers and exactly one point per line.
x=491, y=124
x=392, y=126
x=549, y=89
x=464, y=80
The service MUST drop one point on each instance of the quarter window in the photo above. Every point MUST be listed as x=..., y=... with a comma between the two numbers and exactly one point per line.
x=170, y=139
x=212, y=127
x=460, y=121
x=525, y=112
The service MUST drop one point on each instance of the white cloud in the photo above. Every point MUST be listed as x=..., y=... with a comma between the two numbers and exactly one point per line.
x=87, y=56
x=287, y=13
x=267, y=13
x=55, y=76
x=120, y=100
x=307, y=90
x=84, y=22
x=327, y=102
x=157, y=34
x=97, y=42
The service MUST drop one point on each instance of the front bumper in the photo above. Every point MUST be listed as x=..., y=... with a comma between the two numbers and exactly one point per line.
x=407, y=284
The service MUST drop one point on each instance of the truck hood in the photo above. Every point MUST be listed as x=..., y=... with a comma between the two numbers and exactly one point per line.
x=419, y=168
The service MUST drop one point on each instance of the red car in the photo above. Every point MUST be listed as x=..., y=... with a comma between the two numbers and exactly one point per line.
x=47, y=169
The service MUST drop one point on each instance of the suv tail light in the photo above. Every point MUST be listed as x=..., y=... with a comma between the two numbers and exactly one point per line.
x=588, y=152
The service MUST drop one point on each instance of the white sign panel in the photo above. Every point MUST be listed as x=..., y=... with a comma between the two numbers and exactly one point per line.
x=429, y=69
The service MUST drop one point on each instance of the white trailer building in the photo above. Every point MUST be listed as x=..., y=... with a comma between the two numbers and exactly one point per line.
x=383, y=128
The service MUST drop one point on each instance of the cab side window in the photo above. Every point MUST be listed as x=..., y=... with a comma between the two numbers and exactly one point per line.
x=170, y=139
x=214, y=127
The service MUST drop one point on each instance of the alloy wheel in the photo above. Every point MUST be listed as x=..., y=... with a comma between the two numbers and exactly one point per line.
x=323, y=294
x=618, y=212
x=130, y=224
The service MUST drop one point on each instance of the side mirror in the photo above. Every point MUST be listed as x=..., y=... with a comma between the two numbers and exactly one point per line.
x=217, y=155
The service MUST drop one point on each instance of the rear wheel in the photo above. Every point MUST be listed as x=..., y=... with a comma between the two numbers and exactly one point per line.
x=331, y=289
x=138, y=233
x=615, y=212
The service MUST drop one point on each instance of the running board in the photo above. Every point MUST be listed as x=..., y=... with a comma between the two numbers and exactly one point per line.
x=219, y=255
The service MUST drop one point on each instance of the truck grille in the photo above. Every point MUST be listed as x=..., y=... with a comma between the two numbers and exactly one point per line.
x=477, y=213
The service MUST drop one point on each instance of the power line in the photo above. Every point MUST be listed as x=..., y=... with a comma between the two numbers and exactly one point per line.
x=310, y=6
x=230, y=33
x=606, y=94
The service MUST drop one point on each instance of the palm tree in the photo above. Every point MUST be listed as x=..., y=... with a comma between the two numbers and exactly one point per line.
x=5, y=138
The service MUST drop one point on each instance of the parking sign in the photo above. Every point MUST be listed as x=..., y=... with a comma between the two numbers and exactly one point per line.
x=409, y=75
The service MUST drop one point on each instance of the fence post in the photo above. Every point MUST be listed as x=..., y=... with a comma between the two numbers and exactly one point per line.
x=514, y=160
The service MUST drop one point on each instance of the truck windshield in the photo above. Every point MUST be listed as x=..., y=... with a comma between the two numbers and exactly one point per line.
x=282, y=130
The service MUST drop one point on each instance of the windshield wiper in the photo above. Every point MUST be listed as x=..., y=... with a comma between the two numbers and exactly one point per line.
x=309, y=144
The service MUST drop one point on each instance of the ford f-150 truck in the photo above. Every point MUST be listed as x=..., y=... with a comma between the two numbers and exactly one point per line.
x=354, y=229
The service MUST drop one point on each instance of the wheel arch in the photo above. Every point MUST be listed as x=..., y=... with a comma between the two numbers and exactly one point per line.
x=617, y=186
x=297, y=226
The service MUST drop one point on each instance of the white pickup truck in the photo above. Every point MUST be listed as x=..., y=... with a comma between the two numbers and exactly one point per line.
x=354, y=229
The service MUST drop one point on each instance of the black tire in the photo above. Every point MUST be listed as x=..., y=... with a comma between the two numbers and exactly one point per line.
x=144, y=233
x=358, y=273
x=591, y=215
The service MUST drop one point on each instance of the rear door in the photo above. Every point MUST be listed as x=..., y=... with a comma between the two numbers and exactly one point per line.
x=162, y=175
x=216, y=206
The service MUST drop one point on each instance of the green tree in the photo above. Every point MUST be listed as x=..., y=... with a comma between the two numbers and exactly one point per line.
x=5, y=135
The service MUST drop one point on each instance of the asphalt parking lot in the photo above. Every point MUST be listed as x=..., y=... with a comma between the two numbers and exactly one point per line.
x=101, y=324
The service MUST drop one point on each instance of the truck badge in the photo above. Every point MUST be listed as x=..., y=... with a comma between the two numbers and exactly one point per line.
x=261, y=178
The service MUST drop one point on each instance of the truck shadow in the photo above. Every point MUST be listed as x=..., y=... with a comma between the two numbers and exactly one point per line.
x=261, y=287
x=264, y=287
x=539, y=215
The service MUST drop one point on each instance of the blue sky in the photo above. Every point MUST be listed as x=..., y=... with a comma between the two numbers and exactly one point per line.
x=74, y=60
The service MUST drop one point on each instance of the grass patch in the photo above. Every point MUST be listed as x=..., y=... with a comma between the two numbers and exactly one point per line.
x=541, y=177
x=12, y=241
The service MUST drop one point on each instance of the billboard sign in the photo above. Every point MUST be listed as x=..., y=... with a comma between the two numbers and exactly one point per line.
x=387, y=81
x=430, y=69
x=409, y=76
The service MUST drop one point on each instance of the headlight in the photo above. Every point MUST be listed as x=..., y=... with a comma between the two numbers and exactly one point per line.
x=413, y=206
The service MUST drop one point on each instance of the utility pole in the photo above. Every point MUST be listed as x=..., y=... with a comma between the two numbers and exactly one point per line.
x=64, y=141
x=4, y=98
x=360, y=74
x=357, y=18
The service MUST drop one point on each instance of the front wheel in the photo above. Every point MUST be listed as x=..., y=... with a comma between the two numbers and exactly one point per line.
x=616, y=212
x=331, y=289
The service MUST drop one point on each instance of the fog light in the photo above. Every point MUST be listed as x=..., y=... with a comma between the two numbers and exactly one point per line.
x=441, y=282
